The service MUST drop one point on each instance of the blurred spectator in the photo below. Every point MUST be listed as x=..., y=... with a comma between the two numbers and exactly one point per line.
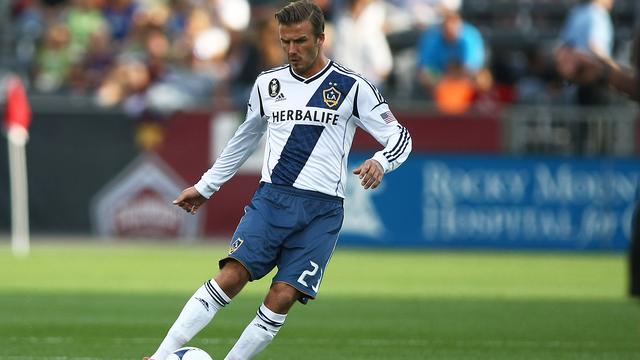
x=537, y=84
x=360, y=42
x=128, y=78
x=455, y=91
x=119, y=15
x=233, y=15
x=178, y=17
x=28, y=27
x=589, y=29
x=262, y=53
x=90, y=71
x=454, y=46
x=418, y=14
x=83, y=19
x=54, y=60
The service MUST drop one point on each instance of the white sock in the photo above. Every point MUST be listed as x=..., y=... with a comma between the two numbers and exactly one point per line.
x=257, y=335
x=195, y=315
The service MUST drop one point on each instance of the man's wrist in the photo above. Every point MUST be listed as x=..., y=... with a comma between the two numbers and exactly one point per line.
x=382, y=161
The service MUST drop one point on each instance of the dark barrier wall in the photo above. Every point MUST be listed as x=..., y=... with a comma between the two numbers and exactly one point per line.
x=73, y=153
x=70, y=156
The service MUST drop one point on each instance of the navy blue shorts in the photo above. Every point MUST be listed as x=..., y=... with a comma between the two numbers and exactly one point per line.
x=295, y=230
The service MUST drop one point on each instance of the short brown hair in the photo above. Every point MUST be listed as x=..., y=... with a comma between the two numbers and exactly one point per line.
x=298, y=11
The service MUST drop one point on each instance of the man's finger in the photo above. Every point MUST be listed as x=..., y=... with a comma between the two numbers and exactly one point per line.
x=366, y=169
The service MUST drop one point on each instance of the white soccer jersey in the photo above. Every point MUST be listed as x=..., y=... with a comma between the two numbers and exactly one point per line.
x=309, y=124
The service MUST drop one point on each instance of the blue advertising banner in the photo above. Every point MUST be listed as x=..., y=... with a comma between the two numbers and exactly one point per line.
x=496, y=202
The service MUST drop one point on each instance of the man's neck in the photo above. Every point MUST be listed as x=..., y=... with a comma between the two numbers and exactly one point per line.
x=319, y=65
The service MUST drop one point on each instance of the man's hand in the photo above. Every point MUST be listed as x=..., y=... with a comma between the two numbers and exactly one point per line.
x=371, y=173
x=190, y=200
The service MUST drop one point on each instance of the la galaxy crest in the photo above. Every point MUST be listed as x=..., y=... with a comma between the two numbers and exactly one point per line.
x=274, y=87
x=235, y=245
x=331, y=96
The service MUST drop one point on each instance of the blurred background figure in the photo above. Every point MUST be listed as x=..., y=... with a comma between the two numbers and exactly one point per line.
x=418, y=14
x=360, y=42
x=584, y=68
x=589, y=29
x=55, y=59
x=451, y=55
x=89, y=72
x=84, y=18
x=119, y=14
x=261, y=52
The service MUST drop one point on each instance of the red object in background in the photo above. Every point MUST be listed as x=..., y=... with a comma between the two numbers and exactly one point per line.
x=17, y=109
x=186, y=149
x=439, y=133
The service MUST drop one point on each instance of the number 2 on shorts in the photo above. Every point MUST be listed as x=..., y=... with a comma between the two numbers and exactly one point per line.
x=304, y=274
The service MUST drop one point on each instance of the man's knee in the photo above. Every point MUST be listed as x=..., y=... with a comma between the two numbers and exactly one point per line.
x=281, y=297
x=233, y=276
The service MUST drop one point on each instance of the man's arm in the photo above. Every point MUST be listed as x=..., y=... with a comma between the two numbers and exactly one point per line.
x=375, y=118
x=584, y=69
x=236, y=152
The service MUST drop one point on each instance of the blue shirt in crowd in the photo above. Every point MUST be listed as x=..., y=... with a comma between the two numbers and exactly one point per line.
x=436, y=53
x=589, y=24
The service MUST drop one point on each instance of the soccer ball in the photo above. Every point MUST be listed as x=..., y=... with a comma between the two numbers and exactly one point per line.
x=189, y=353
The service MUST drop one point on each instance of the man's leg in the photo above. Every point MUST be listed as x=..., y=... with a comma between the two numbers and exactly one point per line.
x=264, y=327
x=202, y=306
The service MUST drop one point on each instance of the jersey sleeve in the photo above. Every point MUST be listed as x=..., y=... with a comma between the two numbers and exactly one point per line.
x=372, y=114
x=238, y=149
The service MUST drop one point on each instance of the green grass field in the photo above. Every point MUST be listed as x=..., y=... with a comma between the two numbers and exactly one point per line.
x=89, y=302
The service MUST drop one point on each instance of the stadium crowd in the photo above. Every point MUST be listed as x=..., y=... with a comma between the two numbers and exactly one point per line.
x=158, y=56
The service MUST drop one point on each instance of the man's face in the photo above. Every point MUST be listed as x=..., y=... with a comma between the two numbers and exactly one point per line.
x=301, y=46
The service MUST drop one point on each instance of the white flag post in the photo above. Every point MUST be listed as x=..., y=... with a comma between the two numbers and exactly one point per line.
x=14, y=104
x=20, y=243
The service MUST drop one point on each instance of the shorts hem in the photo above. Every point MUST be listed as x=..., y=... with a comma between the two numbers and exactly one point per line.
x=304, y=292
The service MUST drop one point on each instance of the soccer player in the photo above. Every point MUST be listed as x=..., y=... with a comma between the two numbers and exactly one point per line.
x=309, y=110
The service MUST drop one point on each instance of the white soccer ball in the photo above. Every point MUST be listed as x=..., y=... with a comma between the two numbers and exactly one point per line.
x=189, y=353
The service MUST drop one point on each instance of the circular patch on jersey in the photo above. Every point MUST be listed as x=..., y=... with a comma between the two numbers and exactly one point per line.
x=274, y=87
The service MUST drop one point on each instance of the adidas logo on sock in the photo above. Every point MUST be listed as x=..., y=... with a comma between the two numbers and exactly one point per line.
x=261, y=326
x=204, y=303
